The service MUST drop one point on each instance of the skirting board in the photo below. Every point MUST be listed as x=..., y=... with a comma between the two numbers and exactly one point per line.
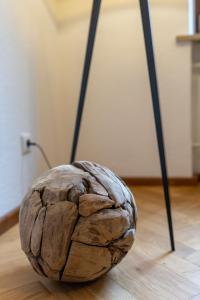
x=175, y=181
x=12, y=218
x=9, y=220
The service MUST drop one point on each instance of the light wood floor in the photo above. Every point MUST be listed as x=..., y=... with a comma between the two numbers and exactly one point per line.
x=148, y=272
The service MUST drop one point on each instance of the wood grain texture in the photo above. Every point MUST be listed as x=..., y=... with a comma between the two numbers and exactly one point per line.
x=77, y=213
x=90, y=203
x=148, y=272
x=86, y=262
x=102, y=228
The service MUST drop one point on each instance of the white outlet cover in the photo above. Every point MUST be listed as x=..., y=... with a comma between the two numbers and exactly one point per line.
x=25, y=136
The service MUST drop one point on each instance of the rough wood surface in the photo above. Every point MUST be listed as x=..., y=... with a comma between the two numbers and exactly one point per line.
x=102, y=227
x=57, y=230
x=29, y=211
x=90, y=203
x=77, y=222
x=86, y=262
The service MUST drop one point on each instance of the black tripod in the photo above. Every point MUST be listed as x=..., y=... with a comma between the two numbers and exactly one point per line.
x=144, y=8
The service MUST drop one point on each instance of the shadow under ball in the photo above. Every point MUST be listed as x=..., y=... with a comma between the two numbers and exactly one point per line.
x=77, y=222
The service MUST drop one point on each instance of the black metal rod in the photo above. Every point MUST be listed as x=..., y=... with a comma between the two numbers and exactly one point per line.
x=86, y=70
x=145, y=14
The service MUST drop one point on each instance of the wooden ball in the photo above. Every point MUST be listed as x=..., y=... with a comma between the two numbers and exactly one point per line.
x=77, y=222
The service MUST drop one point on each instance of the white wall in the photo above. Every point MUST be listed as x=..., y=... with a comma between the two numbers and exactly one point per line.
x=41, y=67
x=17, y=111
x=118, y=128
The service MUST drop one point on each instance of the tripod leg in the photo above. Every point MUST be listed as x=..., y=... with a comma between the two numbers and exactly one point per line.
x=144, y=8
x=86, y=71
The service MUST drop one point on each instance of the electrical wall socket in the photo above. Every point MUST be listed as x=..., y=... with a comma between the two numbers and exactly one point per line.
x=25, y=136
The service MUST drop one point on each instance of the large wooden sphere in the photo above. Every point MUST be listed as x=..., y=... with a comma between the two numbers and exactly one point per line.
x=77, y=222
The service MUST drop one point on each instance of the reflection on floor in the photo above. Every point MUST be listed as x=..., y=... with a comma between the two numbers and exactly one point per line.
x=149, y=272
